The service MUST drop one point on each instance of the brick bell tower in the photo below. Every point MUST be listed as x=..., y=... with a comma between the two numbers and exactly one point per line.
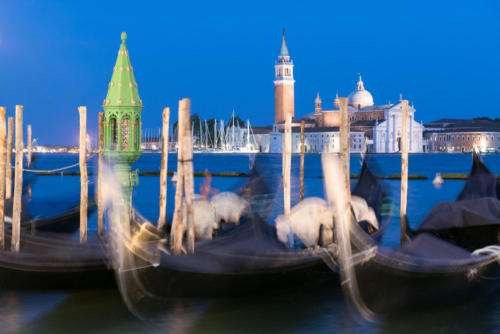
x=283, y=85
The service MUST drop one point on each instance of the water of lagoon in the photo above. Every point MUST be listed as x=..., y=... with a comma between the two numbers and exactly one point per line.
x=301, y=311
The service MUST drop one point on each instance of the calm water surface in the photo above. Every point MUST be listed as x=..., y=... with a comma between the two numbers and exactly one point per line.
x=301, y=311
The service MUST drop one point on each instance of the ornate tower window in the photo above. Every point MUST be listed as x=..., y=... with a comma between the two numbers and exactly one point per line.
x=114, y=134
x=137, y=132
x=125, y=134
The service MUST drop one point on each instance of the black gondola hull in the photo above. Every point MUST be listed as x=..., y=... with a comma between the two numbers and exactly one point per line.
x=386, y=288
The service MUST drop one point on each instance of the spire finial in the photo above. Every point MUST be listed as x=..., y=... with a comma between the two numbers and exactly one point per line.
x=360, y=83
x=124, y=36
x=284, y=49
x=318, y=99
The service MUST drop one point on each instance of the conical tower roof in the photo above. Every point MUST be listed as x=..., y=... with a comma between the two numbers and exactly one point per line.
x=284, y=49
x=122, y=90
x=318, y=99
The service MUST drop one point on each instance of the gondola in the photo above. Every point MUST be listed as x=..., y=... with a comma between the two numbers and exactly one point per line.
x=445, y=261
x=65, y=220
x=51, y=255
x=249, y=259
x=49, y=260
x=55, y=261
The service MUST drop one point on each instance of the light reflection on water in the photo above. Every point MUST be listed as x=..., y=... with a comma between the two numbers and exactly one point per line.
x=304, y=310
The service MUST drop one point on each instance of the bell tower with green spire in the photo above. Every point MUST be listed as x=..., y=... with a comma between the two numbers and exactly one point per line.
x=122, y=120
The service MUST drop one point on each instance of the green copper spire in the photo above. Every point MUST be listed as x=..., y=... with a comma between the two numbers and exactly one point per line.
x=284, y=49
x=123, y=87
x=122, y=121
x=122, y=111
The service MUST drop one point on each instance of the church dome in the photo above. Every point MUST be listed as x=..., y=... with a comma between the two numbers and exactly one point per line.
x=360, y=98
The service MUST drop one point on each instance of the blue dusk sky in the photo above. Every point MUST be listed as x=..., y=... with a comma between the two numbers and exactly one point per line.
x=57, y=55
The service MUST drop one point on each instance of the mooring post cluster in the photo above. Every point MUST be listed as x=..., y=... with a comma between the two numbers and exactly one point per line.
x=6, y=149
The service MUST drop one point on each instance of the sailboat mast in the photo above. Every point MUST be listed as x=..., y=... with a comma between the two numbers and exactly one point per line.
x=206, y=135
x=232, y=139
x=215, y=133
x=200, y=134
x=222, y=141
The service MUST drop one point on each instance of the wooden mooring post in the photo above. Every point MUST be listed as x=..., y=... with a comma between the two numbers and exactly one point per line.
x=8, y=166
x=100, y=208
x=3, y=157
x=404, y=169
x=164, y=168
x=178, y=220
x=185, y=184
x=18, y=182
x=302, y=149
x=187, y=157
x=83, y=174
x=287, y=162
x=345, y=145
x=28, y=156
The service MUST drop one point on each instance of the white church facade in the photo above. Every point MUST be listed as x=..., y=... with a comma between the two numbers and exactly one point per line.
x=387, y=134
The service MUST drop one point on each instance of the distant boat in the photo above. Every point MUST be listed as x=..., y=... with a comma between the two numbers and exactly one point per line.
x=438, y=180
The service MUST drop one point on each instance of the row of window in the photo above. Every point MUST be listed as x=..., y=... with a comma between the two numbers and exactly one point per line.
x=456, y=148
x=326, y=148
x=464, y=138
x=287, y=72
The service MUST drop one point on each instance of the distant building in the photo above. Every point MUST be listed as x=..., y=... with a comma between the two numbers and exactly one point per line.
x=376, y=128
x=462, y=135
x=316, y=140
x=380, y=123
